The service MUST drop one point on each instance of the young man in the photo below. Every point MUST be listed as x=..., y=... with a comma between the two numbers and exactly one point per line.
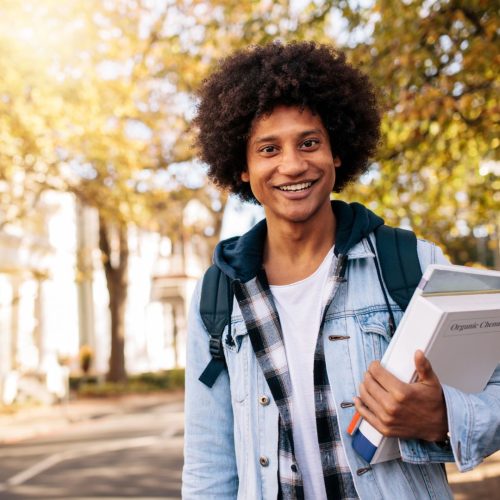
x=285, y=125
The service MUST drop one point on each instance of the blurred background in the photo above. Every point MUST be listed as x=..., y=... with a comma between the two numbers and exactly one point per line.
x=107, y=219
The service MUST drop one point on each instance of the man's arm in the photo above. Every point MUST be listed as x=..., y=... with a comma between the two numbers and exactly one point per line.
x=472, y=420
x=209, y=458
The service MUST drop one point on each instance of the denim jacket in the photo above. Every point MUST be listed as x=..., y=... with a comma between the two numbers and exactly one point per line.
x=231, y=441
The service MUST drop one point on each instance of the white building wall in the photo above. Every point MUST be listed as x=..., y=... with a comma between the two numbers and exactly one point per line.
x=5, y=325
x=60, y=294
x=46, y=313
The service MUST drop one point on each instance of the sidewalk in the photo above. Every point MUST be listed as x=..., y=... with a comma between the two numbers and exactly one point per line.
x=27, y=423
x=483, y=482
x=31, y=422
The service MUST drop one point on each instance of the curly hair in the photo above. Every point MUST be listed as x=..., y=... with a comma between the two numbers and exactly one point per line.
x=252, y=82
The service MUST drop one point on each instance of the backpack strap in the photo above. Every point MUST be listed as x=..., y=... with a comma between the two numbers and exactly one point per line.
x=398, y=257
x=216, y=305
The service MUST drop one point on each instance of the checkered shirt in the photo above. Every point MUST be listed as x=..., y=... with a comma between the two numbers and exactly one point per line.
x=264, y=329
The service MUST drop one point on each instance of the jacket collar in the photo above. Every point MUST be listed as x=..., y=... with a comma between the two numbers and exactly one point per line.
x=360, y=251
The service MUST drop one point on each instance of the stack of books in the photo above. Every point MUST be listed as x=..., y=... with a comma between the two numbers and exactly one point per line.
x=454, y=318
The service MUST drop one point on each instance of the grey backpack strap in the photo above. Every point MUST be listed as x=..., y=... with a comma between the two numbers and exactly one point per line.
x=216, y=304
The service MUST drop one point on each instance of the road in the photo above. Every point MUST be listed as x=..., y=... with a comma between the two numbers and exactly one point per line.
x=135, y=452
x=481, y=483
x=125, y=455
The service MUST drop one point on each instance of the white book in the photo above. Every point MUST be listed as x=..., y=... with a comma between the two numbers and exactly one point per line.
x=454, y=318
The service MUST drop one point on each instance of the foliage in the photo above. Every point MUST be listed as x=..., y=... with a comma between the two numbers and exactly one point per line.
x=96, y=95
x=95, y=99
x=168, y=380
x=438, y=165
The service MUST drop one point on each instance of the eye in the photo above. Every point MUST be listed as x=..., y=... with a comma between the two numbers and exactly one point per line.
x=310, y=143
x=269, y=150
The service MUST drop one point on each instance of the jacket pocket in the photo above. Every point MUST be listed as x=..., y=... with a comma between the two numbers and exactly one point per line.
x=234, y=338
x=236, y=352
x=374, y=327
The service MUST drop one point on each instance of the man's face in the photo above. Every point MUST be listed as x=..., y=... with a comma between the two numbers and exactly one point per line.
x=291, y=168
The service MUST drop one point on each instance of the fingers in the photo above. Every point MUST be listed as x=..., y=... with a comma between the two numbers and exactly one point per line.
x=386, y=405
x=367, y=414
x=372, y=394
x=371, y=417
x=386, y=379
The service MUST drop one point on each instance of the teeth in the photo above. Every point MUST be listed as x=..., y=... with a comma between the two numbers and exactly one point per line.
x=296, y=187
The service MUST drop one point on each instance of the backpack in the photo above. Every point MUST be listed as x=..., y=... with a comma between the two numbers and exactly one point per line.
x=397, y=267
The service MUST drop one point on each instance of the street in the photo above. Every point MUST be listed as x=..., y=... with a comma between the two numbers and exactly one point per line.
x=481, y=483
x=129, y=448
x=124, y=455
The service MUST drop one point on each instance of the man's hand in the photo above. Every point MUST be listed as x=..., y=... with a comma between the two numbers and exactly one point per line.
x=407, y=411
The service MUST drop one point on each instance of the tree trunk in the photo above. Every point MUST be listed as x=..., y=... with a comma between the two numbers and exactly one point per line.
x=115, y=261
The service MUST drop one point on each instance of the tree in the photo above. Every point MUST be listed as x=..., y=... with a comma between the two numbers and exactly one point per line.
x=180, y=43
x=438, y=164
x=97, y=98
x=70, y=110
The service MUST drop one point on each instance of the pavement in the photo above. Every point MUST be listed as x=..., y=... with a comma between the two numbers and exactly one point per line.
x=34, y=421
x=31, y=422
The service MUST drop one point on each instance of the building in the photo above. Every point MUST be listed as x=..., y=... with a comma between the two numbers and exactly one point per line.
x=54, y=298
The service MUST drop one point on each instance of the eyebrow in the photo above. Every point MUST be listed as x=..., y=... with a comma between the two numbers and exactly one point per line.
x=272, y=138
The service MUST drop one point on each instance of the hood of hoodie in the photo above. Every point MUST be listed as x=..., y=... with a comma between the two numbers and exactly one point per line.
x=240, y=257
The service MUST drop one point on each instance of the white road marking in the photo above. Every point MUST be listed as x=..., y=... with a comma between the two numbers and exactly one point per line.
x=92, y=449
x=34, y=470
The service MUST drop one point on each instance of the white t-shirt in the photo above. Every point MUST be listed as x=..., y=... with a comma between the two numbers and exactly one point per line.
x=299, y=308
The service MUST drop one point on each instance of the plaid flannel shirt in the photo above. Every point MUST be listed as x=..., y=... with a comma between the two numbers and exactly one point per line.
x=264, y=329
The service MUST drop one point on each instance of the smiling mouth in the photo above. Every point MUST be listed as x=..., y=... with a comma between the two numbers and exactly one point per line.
x=296, y=187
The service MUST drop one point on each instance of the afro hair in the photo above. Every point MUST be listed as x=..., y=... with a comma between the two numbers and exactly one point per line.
x=252, y=82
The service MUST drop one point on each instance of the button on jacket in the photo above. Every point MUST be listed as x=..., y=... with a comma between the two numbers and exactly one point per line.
x=231, y=442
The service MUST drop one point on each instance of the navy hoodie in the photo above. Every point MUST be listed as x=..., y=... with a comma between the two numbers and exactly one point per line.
x=241, y=257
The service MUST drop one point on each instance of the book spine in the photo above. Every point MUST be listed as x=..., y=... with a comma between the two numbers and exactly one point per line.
x=366, y=440
x=354, y=424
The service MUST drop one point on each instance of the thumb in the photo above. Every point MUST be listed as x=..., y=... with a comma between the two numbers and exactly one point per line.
x=424, y=368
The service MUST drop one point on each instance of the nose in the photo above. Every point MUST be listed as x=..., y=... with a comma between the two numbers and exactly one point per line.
x=293, y=164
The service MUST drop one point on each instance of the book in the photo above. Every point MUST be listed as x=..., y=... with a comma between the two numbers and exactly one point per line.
x=454, y=318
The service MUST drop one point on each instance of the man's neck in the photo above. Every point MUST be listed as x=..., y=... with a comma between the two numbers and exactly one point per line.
x=293, y=251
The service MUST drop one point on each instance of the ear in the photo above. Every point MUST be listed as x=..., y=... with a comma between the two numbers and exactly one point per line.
x=244, y=176
x=336, y=162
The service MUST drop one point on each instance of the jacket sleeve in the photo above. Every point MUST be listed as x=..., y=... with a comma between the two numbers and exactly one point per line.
x=474, y=422
x=209, y=471
x=473, y=419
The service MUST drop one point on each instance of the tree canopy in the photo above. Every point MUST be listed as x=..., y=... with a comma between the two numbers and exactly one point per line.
x=96, y=98
x=434, y=63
